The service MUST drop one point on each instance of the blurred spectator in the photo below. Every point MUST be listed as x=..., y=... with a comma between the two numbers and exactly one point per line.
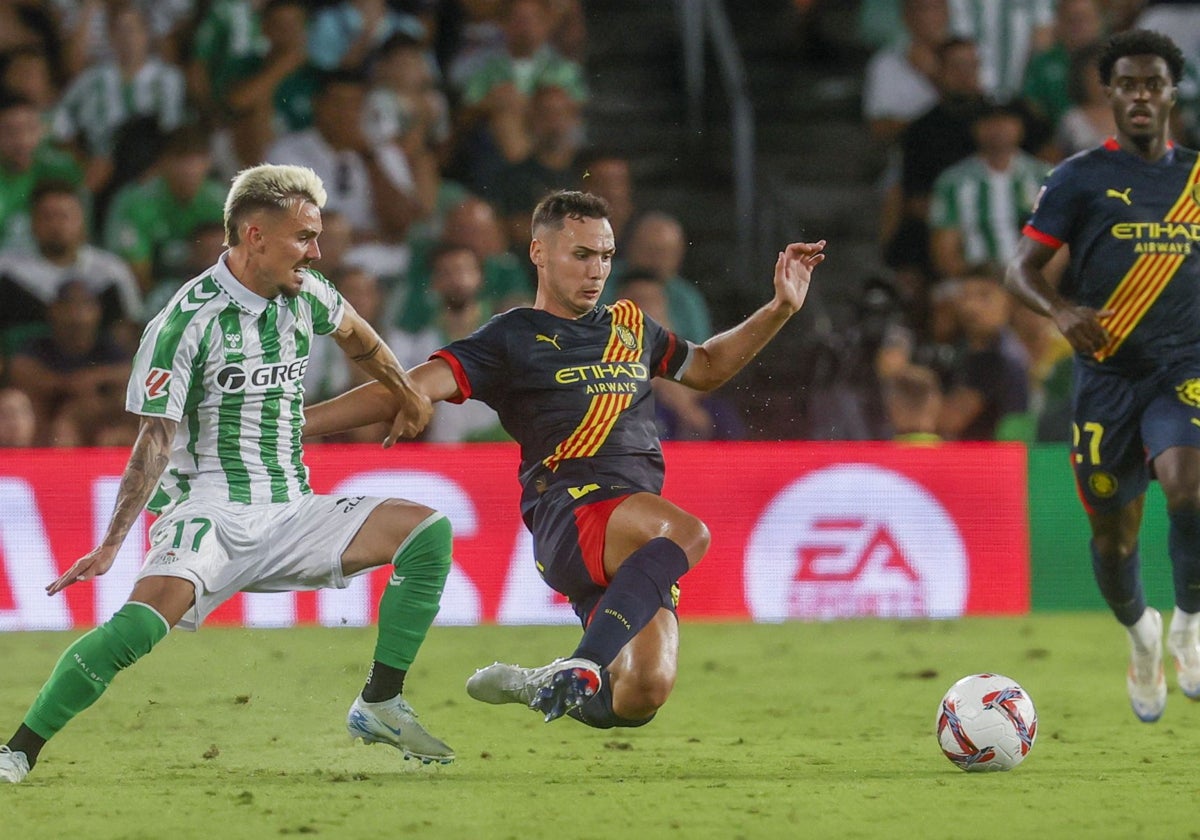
x=26, y=71
x=271, y=93
x=991, y=376
x=30, y=281
x=899, y=84
x=206, y=243
x=105, y=97
x=481, y=34
x=1090, y=120
x=228, y=31
x=344, y=35
x=1045, y=347
x=556, y=135
x=935, y=140
x=456, y=285
x=377, y=186
x=76, y=375
x=912, y=398
x=680, y=412
x=85, y=26
x=657, y=245
x=1077, y=24
x=27, y=23
x=18, y=422
x=472, y=224
x=149, y=223
x=1007, y=32
x=26, y=159
x=980, y=204
x=608, y=175
x=404, y=104
x=495, y=98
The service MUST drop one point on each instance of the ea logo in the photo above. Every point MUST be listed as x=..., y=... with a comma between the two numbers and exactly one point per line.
x=855, y=540
x=231, y=378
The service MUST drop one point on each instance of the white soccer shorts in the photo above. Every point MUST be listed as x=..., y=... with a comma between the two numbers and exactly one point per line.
x=224, y=547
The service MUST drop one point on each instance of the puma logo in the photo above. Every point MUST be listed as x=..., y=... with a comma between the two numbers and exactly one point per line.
x=549, y=340
x=1121, y=194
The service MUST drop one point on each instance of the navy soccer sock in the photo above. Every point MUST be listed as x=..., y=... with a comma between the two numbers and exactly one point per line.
x=1184, y=546
x=637, y=590
x=598, y=711
x=1121, y=585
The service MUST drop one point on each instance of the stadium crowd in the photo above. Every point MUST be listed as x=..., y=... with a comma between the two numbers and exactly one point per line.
x=436, y=125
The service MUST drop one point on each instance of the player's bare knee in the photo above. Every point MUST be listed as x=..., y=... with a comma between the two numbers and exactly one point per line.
x=642, y=693
x=691, y=534
x=1114, y=549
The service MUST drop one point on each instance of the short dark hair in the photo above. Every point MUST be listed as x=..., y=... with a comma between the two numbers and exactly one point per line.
x=1140, y=42
x=54, y=186
x=443, y=249
x=558, y=206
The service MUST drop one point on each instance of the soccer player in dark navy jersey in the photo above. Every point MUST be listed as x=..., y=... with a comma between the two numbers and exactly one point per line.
x=1129, y=303
x=570, y=380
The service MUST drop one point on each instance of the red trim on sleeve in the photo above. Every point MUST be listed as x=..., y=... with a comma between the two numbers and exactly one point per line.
x=1044, y=238
x=460, y=375
x=661, y=370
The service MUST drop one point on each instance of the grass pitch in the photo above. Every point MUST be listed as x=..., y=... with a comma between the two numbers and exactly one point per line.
x=781, y=731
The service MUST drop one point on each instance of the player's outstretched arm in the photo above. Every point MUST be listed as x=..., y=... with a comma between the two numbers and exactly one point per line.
x=361, y=343
x=1025, y=277
x=374, y=403
x=146, y=463
x=718, y=359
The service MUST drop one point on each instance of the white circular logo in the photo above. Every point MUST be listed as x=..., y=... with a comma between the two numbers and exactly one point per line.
x=855, y=540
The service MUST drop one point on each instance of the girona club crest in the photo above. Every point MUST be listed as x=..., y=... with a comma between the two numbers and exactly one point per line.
x=855, y=540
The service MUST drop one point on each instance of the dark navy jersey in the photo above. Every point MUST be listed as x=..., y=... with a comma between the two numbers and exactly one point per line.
x=1133, y=229
x=575, y=394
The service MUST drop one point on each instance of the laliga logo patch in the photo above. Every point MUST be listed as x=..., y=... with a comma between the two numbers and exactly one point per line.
x=156, y=383
x=1189, y=392
x=626, y=338
x=1102, y=484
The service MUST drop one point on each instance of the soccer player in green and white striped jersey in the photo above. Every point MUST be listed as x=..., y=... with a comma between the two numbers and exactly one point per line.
x=217, y=383
x=979, y=204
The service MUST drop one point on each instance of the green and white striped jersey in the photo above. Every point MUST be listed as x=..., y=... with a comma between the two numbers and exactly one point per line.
x=229, y=366
x=988, y=208
x=99, y=101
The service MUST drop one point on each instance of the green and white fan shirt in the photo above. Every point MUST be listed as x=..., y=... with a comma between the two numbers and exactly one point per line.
x=229, y=366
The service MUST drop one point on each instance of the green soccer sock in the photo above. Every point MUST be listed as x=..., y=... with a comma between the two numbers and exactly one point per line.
x=413, y=594
x=87, y=667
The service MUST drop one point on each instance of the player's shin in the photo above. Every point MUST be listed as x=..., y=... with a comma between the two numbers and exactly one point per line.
x=87, y=667
x=409, y=604
x=1120, y=583
x=1183, y=544
x=634, y=595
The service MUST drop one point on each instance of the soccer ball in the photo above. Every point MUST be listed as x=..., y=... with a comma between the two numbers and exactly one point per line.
x=986, y=722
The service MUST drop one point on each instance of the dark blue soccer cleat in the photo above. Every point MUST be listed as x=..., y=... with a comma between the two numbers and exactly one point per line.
x=567, y=688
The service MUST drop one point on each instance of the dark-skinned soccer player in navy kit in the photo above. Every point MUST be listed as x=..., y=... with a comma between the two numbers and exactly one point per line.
x=570, y=379
x=1129, y=303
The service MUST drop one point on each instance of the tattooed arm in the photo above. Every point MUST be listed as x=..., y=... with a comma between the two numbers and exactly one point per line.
x=146, y=463
x=360, y=342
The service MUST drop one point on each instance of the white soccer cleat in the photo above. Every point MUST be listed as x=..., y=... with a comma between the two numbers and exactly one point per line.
x=14, y=766
x=500, y=683
x=394, y=722
x=1145, y=680
x=1184, y=646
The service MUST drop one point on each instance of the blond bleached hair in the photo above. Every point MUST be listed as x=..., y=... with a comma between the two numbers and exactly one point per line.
x=269, y=186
